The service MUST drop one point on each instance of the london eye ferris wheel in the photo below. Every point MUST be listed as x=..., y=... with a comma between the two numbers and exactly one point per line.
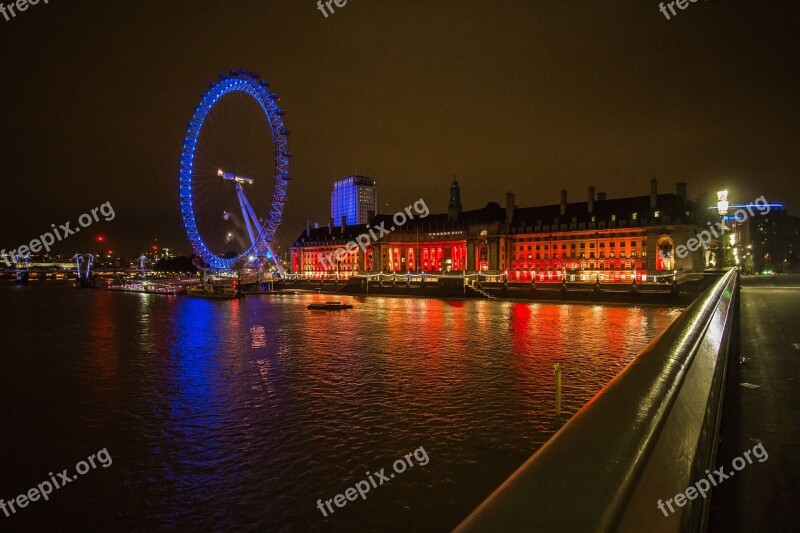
x=234, y=173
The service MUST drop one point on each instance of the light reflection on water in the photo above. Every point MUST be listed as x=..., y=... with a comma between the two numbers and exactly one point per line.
x=242, y=414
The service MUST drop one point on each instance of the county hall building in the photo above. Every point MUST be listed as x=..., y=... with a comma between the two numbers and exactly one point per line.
x=595, y=239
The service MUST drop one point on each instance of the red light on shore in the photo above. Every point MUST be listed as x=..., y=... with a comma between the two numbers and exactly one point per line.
x=100, y=238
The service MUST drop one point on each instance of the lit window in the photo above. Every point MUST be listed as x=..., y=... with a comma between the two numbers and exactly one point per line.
x=613, y=218
x=634, y=216
x=657, y=214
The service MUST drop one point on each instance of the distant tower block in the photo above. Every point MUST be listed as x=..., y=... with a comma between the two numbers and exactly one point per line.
x=355, y=198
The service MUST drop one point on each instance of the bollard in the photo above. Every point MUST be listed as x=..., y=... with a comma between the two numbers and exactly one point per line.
x=557, y=372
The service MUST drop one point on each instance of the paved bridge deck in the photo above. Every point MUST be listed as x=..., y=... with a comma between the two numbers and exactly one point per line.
x=763, y=496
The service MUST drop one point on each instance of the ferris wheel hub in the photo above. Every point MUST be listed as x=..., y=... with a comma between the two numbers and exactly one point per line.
x=228, y=176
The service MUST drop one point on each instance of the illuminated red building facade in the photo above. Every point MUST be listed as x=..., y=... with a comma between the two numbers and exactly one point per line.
x=598, y=239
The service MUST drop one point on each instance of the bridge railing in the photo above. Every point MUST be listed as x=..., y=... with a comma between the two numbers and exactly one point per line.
x=647, y=436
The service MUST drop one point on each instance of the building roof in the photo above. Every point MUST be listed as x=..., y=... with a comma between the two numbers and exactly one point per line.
x=672, y=210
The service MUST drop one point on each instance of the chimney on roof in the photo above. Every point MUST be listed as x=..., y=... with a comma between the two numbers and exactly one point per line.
x=591, y=199
x=510, y=207
x=308, y=228
x=454, y=207
x=601, y=197
x=343, y=224
x=680, y=190
x=653, y=193
x=563, y=202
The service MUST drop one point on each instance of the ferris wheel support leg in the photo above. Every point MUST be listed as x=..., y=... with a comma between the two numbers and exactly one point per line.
x=277, y=261
x=249, y=209
x=251, y=213
x=244, y=205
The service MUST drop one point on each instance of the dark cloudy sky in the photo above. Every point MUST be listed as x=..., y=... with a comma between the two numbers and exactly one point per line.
x=524, y=96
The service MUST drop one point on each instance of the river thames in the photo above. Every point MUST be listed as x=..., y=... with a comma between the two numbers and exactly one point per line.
x=242, y=414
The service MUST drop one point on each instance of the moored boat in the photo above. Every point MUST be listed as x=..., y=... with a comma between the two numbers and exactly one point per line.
x=329, y=306
x=216, y=292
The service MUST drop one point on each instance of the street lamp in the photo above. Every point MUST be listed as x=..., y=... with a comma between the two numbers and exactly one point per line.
x=722, y=208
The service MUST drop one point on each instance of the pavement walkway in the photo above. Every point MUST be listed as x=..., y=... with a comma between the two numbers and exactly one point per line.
x=762, y=404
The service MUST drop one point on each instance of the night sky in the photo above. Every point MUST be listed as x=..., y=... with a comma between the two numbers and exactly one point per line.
x=520, y=96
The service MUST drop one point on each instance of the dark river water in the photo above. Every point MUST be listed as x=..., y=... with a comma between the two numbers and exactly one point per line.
x=242, y=415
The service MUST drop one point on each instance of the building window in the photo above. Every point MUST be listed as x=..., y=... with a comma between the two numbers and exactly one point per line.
x=657, y=214
x=634, y=216
x=613, y=218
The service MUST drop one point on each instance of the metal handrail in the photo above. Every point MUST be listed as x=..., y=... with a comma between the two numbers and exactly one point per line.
x=644, y=436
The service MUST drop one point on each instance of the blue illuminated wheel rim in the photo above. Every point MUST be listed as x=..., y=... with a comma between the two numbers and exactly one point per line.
x=251, y=84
